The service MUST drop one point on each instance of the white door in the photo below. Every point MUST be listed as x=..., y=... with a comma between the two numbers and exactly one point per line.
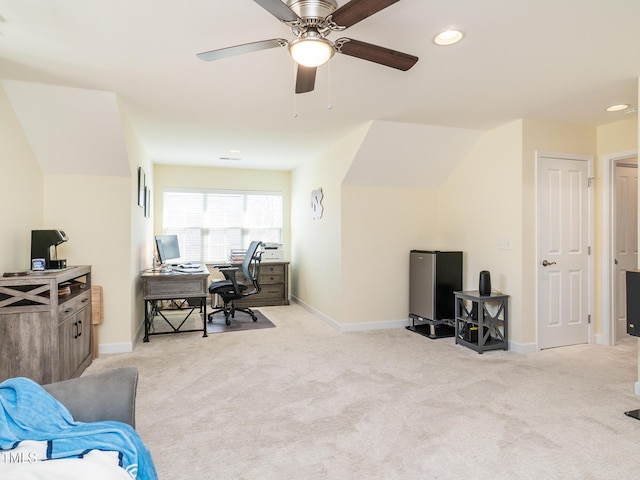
x=563, y=251
x=626, y=237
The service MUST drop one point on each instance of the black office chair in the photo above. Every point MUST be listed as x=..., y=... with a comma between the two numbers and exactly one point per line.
x=231, y=289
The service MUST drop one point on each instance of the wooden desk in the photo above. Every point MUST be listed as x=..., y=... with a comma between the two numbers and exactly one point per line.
x=181, y=289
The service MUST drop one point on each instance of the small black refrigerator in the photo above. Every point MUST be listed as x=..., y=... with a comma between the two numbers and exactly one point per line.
x=433, y=277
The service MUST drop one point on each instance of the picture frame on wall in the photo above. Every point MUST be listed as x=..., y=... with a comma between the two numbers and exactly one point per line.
x=142, y=195
x=147, y=202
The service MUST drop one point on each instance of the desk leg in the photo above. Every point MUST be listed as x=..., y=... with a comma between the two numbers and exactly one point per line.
x=146, y=321
x=204, y=317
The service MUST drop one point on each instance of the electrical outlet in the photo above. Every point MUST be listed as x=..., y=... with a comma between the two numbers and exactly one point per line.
x=504, y=244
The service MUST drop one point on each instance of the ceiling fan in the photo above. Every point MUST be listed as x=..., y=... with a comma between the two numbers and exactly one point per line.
x=311, y=21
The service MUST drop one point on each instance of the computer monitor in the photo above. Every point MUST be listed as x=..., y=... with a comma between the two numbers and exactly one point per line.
x=168, y=248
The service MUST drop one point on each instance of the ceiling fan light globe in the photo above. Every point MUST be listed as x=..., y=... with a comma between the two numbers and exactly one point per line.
x=311, y=52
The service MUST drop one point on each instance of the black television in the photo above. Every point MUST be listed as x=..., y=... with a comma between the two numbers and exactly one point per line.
x=168, y=248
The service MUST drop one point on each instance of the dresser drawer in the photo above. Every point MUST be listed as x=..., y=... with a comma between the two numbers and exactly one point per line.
x=67, y=309
x=275, y=291
x=73, y=305
x=274, y=284
x=271, y=279
x=271, y=269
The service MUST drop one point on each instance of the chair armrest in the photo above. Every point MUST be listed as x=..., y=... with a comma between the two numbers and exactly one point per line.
x=230, y=274
x=103, y=396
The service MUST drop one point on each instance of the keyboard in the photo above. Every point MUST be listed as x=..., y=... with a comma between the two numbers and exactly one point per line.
x=187, y=267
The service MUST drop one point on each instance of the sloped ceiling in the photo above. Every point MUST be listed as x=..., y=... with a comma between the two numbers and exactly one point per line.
x=396, y=154
x=71, y=130
x=79, y=131
x=561, y=61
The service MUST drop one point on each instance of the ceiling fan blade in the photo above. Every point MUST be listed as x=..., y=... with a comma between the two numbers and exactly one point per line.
x=357, y=10
x=241, y=49
x=279, y=10
x=376, y=54
x=305, y=79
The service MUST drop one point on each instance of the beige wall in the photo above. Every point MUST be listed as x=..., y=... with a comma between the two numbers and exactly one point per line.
x=168, y=176
x=481, y=203
x=92, y=211
x=380, y=226
x=140, y=229
x=95, y=213
x=20, y=192
x=316, y=257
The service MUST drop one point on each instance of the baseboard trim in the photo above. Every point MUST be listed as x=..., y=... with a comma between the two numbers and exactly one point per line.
x=352, y=327
x=328, y=320
x=109, y=348
x=523, y=348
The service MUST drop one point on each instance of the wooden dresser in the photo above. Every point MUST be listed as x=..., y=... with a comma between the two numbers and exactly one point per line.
x=274, y=281
x=45, y=324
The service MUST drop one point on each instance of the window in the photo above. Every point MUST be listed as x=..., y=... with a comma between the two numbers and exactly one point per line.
x=209, y=223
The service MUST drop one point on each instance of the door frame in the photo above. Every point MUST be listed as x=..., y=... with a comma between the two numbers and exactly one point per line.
x=590, y=234
x=608, y=177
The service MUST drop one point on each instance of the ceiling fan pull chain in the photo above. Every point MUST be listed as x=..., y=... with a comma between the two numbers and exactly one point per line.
x=329, y=105
x=295, y=108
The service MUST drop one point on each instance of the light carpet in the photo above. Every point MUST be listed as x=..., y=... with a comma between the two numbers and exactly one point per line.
x=303, y=401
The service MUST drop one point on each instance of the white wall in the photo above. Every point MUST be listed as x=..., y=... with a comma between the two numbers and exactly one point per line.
x=20, y=192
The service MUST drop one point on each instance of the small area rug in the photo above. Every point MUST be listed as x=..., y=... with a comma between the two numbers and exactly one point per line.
x=242, y=322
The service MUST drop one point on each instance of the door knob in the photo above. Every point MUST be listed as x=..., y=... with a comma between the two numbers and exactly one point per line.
x=546, y=264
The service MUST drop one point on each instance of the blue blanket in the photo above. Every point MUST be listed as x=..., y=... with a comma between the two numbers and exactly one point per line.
x=29, y=412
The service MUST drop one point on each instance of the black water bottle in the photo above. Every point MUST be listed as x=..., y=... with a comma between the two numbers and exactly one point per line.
x=484, y=286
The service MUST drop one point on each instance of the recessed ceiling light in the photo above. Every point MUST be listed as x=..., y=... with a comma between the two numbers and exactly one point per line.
x=617, y=108
x=234, y=151
x=448, y=37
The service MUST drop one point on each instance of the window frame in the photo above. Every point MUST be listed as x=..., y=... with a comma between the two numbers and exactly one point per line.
x=206, y=232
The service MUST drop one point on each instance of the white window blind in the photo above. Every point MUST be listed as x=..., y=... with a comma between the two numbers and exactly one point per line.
x=210, y=223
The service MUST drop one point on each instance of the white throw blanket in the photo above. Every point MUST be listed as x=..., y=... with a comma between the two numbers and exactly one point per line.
x=28, y=461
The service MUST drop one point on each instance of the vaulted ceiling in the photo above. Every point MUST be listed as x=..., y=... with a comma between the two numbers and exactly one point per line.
x=547, y=59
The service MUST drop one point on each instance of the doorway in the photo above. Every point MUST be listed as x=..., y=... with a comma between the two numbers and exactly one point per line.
x=563, y=249
x=619, y=239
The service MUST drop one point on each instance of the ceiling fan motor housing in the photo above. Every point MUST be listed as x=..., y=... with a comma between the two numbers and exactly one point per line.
x=313, y=12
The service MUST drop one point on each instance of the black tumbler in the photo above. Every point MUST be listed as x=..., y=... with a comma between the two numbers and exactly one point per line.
x=484, y=286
